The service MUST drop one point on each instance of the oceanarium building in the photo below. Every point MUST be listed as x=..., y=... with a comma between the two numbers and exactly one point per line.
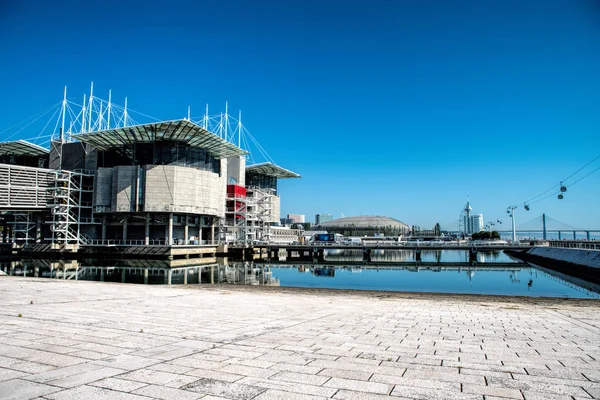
x=167, y=183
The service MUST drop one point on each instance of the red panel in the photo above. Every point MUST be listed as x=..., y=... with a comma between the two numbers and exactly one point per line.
x=236, y=190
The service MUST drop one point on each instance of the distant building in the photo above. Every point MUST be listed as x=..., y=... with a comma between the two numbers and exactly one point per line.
x=320, y=218
x=476, y=223
x=469, y=224
x=286, y=221
x=298, y=218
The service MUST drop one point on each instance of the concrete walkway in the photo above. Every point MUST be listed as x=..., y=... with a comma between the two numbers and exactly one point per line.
x=88, y=340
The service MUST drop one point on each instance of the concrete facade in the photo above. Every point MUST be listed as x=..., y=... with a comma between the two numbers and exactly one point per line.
x=160, y=188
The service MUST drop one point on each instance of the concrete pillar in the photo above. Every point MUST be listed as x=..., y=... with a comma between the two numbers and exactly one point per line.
x=123, y=275
x=36, y=272
x=574, y=235
x=212, y=274
x=185, y=276
x=587, y=235
x=200, y=230
x=185, y=230
x=169, y=276
x=145, y=276
x=101, y=274
x=125, y=228
x=559, y=236
x=170, y=231
x=104, y=227
x=212, y=231
x=147, y=231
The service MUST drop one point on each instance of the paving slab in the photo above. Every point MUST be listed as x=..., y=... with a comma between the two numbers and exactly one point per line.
x=126, y=342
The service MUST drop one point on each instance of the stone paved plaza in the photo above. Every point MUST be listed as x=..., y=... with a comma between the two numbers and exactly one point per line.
x=67, y=340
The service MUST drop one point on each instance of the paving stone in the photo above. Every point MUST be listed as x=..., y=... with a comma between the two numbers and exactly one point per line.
x=315, y=380
x=17, y=389
x=289, y=387
x=224, y=389
x=85, y=377
x=360, y=386
x=421, y=393
x=8, y=374
x=127, y=362
x=167, y=393
x=248, y=371
x=342, y=373
x=278, y=395
x=121, y=385
x=92, y=392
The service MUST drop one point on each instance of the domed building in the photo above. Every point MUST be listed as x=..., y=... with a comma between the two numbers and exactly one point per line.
x=365, y=226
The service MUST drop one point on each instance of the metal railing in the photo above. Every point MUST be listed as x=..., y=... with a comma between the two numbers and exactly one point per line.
x=576, y=244
x=142, y=242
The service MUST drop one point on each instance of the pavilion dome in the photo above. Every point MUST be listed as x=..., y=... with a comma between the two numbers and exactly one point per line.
x=365, y=222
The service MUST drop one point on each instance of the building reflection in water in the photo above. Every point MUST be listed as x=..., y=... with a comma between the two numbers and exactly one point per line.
x=189, y=272
x=150, y=272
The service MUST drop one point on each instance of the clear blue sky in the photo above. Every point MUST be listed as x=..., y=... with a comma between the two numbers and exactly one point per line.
x=397, y=108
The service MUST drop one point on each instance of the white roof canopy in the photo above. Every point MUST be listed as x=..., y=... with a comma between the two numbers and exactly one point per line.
x=22, y=148
x=179, y=130
x=270, y=169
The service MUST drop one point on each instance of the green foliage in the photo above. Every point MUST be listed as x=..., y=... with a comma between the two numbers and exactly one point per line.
x=485, y=235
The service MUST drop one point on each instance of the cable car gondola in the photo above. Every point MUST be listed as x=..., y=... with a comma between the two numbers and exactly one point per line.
x=560, y=196
x=563, y=188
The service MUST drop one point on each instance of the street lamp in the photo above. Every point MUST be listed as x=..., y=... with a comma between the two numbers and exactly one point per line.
x=511, y=211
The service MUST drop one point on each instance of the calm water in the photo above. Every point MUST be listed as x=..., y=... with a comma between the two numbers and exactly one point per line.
x=396, y=255
x=520, y=280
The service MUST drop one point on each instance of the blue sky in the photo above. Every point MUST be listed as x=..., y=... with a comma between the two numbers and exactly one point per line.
x=397, y=108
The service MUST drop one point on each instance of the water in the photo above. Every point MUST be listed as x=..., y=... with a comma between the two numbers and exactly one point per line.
x=518, y=280
x=403, y=255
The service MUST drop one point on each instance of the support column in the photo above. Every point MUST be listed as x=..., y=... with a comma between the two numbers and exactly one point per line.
x=145, y=276
x=169, y=276
x=104, y=227
x=212, y=231
x=147, y=232
x=125, y=229
x=574, y=235
x=185, y=276
x=587, y=235
x=544, y=226
x=101, y=274
x=199, y=230
x=559, y=236
x=185, y=230
x=123, y=275
x=170, y=230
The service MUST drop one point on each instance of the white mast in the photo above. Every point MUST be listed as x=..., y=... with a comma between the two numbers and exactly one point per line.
x=109, y=93
x=125, y=114
x=206, y=118
x=221, y=127
x=90, y=107
x=83, y=111
x=240, y=129
x=64, y=111
x=226, y=121
x=100, y=118
x=189, y=119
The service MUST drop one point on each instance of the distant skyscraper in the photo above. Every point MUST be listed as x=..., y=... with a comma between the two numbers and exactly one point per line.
x=476, y=223
x=298, y=218
x=469, y=224
x=320, y=218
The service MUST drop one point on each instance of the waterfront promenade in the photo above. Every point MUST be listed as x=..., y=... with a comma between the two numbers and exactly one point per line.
x=89, y=340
